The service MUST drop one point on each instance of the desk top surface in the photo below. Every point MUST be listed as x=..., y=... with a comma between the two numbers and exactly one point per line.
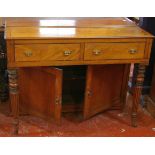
x=57, y=28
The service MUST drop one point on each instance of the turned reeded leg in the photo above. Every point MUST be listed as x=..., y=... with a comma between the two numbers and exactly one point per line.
x=137, y=93
x=14, y=96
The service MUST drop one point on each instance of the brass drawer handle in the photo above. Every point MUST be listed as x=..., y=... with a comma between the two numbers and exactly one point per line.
x=28, y=53
x=67, y=53
x=96, y=52
x=132, y=51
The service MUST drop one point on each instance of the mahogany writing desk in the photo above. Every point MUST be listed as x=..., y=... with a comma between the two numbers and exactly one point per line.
x=58, y=65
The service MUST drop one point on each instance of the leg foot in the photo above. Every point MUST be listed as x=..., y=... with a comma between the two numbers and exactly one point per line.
x=14, y=97
x=15, y=127
x=137, y=93
x=134, y=120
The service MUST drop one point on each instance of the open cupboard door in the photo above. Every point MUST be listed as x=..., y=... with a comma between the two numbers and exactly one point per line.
x=55, y=107
x=44, y=98
x=98, y=94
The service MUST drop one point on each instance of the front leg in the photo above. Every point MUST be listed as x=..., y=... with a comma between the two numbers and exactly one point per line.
x=14, y=96
x=137, y=92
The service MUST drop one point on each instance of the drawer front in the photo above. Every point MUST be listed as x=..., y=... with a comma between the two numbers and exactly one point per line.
x=101, y=51
x=42, y=52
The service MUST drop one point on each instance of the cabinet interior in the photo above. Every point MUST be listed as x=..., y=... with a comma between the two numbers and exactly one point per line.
x=73, y=87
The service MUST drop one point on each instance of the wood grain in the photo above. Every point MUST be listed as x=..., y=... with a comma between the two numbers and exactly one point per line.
x=47, y=52
x=113, y=51
x=14, y=97
x=102, y=91
x=53, y=33
x=107, y=74
x=68, y=22
x=66, y=63
x=40, y=92
x=137, y=93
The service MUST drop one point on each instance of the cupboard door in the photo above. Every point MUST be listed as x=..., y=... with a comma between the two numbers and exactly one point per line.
x=55, y=106
x=41, y=91
x=103, y=88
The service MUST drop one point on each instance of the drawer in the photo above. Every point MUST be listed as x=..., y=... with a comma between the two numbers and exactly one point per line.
x=42, y=52
x=101, y=51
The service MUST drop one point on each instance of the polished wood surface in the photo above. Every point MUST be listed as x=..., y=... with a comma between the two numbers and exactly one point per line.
x=80, y=91
x=44, y=98
x=28, y=44
x=43, y=52
x=82, y=42
x=102, y=91
x=68, y=22
x=101, y=51
x=75, y=28
x=93, y=51
x=93, y=42
x=51, y=33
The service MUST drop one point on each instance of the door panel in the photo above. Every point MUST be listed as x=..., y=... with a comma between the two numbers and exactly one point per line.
x=103, y=88
x=40, y=91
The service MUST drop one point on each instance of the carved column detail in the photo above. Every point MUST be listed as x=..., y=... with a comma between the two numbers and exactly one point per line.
x=14, y=96
x=137, y=93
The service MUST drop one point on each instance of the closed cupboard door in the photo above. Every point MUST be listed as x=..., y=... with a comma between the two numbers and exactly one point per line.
x=41, y=92
x=103, y=88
